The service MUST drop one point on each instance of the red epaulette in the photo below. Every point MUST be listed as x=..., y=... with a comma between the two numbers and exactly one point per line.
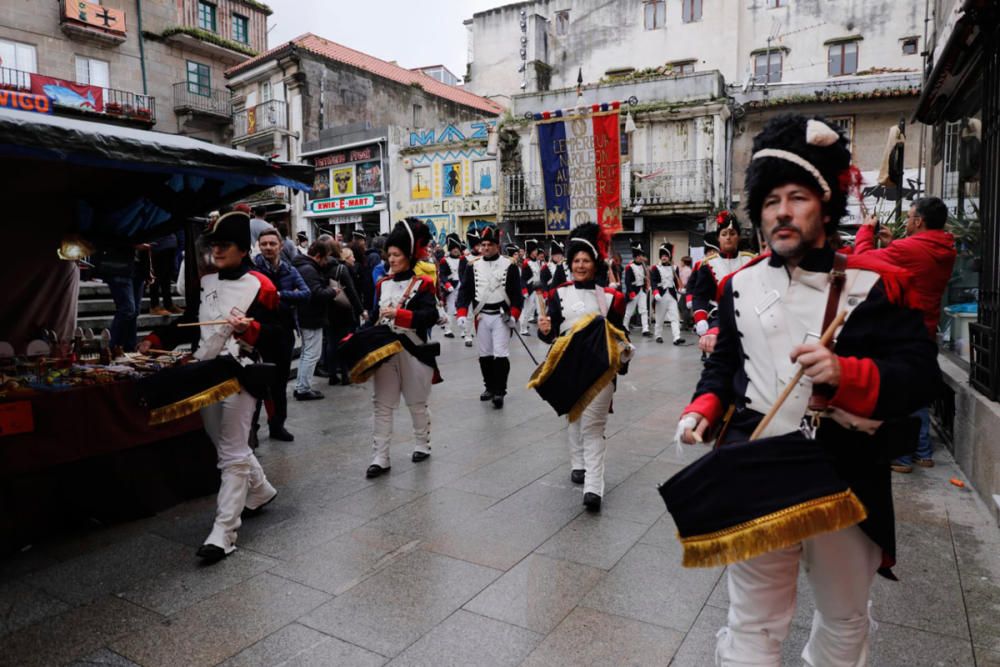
x=268, y=293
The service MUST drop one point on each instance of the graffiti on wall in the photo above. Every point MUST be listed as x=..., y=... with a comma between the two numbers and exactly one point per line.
x=452, y=134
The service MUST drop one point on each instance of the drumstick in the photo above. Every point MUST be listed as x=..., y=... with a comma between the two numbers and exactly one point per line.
x=825, y=342
x=210, y=322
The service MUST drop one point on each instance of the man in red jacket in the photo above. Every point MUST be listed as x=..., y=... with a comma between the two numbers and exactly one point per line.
x=928, y=253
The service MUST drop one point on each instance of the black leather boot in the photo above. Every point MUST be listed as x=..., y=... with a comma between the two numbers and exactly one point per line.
x=486, y=366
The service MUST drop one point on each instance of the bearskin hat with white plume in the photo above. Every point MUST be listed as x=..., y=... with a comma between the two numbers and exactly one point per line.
x=411, y=236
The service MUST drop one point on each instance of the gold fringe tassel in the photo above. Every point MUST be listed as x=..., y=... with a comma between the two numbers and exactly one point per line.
x=774, y=531
x=365, y=368
x=192, y=404
x=613, y=336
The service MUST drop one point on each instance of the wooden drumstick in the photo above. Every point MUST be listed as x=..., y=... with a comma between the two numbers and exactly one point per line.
x=208, y=323
x=825, y=342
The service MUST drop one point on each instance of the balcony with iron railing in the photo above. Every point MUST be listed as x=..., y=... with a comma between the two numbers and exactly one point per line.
x=191, y=98
x=653, y=186
x=266, y=117
x=71, y=97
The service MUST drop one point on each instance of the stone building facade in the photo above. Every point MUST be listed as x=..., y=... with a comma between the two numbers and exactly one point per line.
x=314, y=99
x=155, y=63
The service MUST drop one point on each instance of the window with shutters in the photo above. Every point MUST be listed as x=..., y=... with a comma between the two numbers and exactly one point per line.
x=767, y=67
x=562, y=23
x=910, y=46
x=241, y=29
x=842, y=58
x=654, y=14
x=690, y=10
x=93, y=72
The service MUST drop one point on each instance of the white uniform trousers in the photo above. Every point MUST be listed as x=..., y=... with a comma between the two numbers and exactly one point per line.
x=530, y=309
x=840, y=567
x=494, y=335
x=666, y=309
x=401, y=374
x=449, y=309
x=244, y=484
x=638, y=302
x=586, y=441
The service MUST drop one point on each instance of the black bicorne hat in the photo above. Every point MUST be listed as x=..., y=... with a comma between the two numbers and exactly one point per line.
x=359, y=234
x=530, y=244
x=411, y=236
x=584, y=238
x=557, y=248
x=726, y=220
x=807, y=151
x=510, y=249
x=233, y=227
x=472, y=237
x=454, y=241
x=489, y=233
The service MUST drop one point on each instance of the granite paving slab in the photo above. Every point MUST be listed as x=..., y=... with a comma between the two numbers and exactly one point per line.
x=469, y=639
x=595, y=540
x=299, y=646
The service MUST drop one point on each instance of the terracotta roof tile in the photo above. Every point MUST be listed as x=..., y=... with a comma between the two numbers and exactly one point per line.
x=340, y=53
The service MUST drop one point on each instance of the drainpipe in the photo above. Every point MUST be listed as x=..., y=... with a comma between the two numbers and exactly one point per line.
x=142, y=47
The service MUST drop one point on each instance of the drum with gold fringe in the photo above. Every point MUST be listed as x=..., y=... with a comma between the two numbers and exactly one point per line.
x=179, y=391
x=579, y=365
x=363, y=351
x=742, y=500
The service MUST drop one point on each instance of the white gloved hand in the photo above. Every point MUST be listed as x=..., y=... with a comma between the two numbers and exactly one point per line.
x=701, y=328
x=462, y=320
x=657, y=296
x=512, y=322
x=686, y=422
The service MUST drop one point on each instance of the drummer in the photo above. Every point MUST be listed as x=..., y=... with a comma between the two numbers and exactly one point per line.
x=407, y=303
x=882, y=366
x=235, y=289
x=566, y=304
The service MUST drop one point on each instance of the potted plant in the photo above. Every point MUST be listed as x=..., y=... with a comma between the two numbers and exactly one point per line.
x=113, y=108
x=144, y=113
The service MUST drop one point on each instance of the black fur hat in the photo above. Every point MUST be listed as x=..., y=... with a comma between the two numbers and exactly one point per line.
x=807, y=151
x=411, y=236
x=667, y=249
x=489, y=233
x=585, y=238
x=637, y=250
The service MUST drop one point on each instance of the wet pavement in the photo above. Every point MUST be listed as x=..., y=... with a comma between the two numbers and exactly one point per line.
x=481, y=555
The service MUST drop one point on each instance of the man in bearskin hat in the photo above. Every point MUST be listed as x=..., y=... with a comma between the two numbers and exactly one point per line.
x=491, y=288
x=248, y=303
x=665, y=283
x=531, y=280
x=450, y=271
x=637, y=288
x=709, y=273
x=880, y=368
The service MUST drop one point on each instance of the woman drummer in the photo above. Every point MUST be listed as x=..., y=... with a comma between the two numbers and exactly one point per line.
x=406, y=303
x=566, y=304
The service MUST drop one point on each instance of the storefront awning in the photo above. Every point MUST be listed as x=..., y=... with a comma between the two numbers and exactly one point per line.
x=123, y=182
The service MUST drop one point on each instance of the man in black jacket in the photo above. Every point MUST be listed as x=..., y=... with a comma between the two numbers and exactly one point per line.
x=340, y=322
x=312, y=316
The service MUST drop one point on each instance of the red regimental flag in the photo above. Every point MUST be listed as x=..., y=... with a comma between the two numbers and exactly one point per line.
x=607, y=148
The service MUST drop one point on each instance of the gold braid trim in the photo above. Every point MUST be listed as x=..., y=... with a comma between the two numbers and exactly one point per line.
x=365, y=367
x=774, y=531
x=192, y=404
x=612, y=334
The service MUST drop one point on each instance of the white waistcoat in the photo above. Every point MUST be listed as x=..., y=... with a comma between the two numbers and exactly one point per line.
x=775, y=313
x=577, y=303
x=218, y=299
x=666, y=273
x=491, y=280
x=453, y=264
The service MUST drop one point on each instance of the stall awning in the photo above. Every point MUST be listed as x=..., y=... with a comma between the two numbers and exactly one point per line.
x=123, y=182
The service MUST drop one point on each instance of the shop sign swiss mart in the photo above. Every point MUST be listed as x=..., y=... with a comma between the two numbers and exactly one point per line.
x=342, y=204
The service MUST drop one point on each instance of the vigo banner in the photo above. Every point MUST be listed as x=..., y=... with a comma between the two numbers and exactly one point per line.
x=581, y=167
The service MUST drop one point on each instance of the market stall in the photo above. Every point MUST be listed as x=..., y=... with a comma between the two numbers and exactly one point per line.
x=76, y=444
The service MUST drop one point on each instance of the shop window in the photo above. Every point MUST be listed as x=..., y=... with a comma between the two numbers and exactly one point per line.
x=93, y=72
x=199, y=79
x=654, y=14
x=562, y=23
x=910, y=46
x=241, y=29
x=842, y=58
x=206, y=16
x=767, y=67
x=690, y=11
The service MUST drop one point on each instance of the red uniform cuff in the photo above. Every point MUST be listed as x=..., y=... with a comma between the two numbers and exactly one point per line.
x=707, y=405
x=714, y=331
x=461, y=312
x=404, y=318
x=251, y=334
x=515, y=313
x=631, y=295
x=524, y=292
x=699, y=315
x=858, y=390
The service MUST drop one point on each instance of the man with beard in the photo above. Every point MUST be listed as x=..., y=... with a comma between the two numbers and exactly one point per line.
x=880, y=366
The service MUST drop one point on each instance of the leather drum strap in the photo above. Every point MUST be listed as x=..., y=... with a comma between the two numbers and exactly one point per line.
x=820, y=399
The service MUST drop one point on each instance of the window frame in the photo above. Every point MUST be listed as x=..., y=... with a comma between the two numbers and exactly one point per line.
x=195, y=87
x=89, y=61
x=562, y=23
x=688, y=11
x=766, y=77
x=659, y=14
x=208, y=10
x=915, y=41
x=17, y=47
x=244, y=22
x=846, y=123
x=842, y=46
x=683, y=66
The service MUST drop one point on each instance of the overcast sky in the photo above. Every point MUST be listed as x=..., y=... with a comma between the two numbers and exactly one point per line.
x=414, y=34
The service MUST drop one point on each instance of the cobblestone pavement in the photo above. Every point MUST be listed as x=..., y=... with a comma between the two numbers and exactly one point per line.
x=481, y=555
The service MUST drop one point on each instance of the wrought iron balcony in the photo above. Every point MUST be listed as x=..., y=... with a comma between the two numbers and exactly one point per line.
x=189, y=98
x=70, y=96
x=266, y=117
x=656, y=184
